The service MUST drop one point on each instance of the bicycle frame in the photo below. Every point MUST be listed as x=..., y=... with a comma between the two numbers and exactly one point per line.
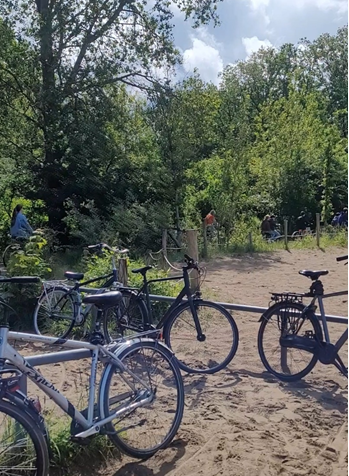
x=344, y=337
x=98, y=352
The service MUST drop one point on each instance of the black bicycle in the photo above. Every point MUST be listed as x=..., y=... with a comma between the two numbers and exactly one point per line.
x=291, y=340
x=60, y=306
x=202, y=334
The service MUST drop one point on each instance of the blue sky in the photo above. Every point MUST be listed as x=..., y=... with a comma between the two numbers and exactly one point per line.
x=246, y=25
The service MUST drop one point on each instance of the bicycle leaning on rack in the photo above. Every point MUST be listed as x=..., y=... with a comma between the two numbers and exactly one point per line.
x=139, y=405
x=291, y=340
x=59, y=308
x=202, y=334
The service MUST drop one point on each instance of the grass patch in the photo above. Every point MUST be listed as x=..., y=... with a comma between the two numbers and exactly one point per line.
x=68, y=457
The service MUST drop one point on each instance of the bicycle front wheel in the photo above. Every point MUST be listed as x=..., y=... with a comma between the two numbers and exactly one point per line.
x=282, y=319
x=54, y=313
x=214, y=348
x=23, y=449
x=141, y=432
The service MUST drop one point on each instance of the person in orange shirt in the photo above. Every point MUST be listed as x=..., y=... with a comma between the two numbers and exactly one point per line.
x=211, y=223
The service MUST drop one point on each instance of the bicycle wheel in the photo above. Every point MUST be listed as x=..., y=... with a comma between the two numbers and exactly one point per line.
x=286, y=318
x=54, y=313
x=23, y=449
x=8, y=252
x=143, y=431
x=210, y=352
x=130, y=314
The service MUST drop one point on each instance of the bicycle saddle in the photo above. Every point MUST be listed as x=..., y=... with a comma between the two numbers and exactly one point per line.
x=142, y=271
x=104, y=300
x=72, y=275
x=313, y=275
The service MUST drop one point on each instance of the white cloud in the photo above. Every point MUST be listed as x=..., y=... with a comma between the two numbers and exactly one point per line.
x=253, y=44
x=339, y=6
x=204, y=56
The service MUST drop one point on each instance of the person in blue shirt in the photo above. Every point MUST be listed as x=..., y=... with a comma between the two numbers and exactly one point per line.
x=343, y=218
x=20, y=227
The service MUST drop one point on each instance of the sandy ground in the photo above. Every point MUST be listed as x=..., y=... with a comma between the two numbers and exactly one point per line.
x=241, y=421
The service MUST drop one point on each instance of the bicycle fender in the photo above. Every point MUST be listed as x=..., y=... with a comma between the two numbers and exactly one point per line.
x=120, y=347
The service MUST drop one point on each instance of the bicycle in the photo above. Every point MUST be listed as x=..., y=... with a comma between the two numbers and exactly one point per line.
x=297, y=343
x=139, y=405
x=17, y=244
x=188, y=325
x=59, y=307
x=6, y=311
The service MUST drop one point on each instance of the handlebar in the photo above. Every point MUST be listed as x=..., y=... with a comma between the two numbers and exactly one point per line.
x=104, y=246
x=342, y=258
x=20, y=280
x=191, y=263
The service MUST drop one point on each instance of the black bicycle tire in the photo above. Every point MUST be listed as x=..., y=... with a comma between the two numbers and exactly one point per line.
x=178, y=310
x=37, y=307
x=266, y=317
x=5, y=258
x=35, y=434
x=145, y=454
x=139, y=302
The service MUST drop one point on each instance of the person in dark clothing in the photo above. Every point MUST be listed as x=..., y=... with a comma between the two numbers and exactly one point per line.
x=274, y=233
x=265, y=227
x=343, y=218
x=302, y=222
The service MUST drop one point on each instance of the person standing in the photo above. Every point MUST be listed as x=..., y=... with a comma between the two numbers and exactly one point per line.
x=20, y=227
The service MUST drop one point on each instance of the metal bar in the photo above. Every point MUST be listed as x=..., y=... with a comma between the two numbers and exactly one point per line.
x=56, y=357
x=243, y=307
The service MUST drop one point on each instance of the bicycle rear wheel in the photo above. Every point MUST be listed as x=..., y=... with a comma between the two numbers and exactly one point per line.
x=143, y=431
x=12, y=248
x=54, y=313
x=23, y=449
x=282, y=319
x=210, y=352
x=127, y=317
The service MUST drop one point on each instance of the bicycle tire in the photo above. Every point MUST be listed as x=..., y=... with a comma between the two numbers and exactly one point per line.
x=38, y=448
x=8, y=252
x=204, y=349
x=131, y=314
x=173, y=402
x=265, y=345
x=56, y=331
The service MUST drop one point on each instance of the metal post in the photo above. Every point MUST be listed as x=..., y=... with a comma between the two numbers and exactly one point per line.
x=318, y=229
x=123, y=277
x=286, y=234
x=192, y=238
x=164, y=249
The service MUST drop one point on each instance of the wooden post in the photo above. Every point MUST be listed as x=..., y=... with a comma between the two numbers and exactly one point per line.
x=286, y=233
x=250, y=243
x=192, y=238
x=123, y=277
x=164, y=249
x=204, y=236
x=318, y=229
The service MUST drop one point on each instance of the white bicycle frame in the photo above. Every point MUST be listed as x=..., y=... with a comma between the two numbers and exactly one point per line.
x=98, y=352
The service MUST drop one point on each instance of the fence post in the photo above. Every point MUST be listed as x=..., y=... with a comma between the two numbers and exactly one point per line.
x=123, y=276
x=318, y=229
x=164, y=248
x=204, y=235
x=250, y=243
x=192, y=238
x=286, y=233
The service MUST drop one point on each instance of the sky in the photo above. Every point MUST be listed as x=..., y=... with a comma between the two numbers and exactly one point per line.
x=246, y=25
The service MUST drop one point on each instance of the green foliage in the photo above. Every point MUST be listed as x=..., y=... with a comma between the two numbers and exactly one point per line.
x=29, y=260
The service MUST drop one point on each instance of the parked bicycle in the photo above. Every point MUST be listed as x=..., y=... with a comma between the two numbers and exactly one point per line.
x=59, y=308
x=139, y=405
x=291, y=340
x=202, y=334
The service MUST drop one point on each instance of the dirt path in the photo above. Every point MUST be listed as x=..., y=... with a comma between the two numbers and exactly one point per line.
x=242, y=422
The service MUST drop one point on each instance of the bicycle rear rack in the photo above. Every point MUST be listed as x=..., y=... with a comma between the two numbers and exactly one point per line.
x=286, y=296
